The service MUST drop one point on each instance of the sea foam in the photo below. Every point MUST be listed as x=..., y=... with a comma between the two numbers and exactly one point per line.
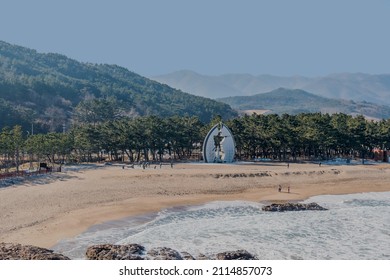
x=356, y=226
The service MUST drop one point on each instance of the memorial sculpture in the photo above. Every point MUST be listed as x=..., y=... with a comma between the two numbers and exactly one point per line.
x=219, y=145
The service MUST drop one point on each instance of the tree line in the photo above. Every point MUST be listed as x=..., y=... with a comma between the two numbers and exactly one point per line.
x=311, y=136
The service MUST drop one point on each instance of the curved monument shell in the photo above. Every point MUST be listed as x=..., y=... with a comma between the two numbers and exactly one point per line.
x=219, y=145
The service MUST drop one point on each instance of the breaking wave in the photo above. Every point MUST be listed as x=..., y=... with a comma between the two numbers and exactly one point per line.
x=355, y=227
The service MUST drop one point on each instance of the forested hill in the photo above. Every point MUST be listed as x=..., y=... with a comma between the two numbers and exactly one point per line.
x=51, y=89
x=295, y=101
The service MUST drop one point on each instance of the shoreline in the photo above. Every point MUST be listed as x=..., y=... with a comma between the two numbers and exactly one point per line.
x=44, y=213
x=172, y=228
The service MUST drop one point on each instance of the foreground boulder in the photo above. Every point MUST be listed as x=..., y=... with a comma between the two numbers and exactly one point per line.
x=281, y=207
x=115, y=252
x=10, y=251
x=138, y=252
x=163, y=253
x=236, y=255
x=133, y=252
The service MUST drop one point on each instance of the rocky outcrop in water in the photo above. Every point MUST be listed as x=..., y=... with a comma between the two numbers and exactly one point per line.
x=10, y=251
x=281, y=207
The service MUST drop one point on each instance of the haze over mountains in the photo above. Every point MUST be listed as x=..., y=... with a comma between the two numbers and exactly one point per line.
x=349, y=86
x=295, y=101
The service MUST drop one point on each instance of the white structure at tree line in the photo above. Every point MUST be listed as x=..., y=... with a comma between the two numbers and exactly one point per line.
x=219, y=145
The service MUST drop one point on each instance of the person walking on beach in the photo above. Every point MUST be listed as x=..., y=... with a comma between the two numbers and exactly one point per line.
x=288, y=189
x=280, y=188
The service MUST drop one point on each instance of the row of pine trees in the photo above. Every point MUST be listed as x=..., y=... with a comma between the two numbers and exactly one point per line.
x=285, y=137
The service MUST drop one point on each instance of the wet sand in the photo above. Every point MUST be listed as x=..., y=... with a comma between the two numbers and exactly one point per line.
x=45, y=210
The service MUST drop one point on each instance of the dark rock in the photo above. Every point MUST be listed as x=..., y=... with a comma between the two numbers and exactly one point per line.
x=10, y=251
x=137, y=252
x=115, y=252
x=236, y=255
x=187, y=256
x=163, y=253
x=202, y=257
x=281, y=207
x=134, y=252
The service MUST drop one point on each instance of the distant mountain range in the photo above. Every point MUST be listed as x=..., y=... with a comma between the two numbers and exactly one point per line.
x=357, y=87
x=44, y=89
x=296, y=101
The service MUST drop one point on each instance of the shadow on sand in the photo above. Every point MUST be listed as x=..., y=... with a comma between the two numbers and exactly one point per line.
x=43, y=179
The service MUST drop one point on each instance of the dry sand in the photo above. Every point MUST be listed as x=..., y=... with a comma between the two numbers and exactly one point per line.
x=44, y=210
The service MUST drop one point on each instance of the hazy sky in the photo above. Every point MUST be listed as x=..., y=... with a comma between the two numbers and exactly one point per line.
x=151, y=37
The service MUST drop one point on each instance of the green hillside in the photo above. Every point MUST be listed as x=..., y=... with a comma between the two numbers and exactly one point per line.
x=45, y=89
x=297, y=101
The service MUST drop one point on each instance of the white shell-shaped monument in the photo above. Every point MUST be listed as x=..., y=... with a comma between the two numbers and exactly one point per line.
x=219, y=145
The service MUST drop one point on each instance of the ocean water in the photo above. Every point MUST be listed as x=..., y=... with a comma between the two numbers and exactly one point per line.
x=356, y=226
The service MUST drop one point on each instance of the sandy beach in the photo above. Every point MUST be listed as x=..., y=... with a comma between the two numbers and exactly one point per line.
x=45, y=210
